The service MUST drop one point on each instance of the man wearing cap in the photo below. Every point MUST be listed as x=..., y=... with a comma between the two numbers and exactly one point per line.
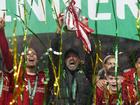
x=75, y=88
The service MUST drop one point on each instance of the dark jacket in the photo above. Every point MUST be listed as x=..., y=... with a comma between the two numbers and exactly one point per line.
x=82, y=88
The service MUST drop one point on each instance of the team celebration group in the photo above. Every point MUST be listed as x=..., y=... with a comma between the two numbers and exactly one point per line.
x=77, y=83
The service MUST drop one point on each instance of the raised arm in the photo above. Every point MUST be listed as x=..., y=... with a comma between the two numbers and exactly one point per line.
x=6, y=54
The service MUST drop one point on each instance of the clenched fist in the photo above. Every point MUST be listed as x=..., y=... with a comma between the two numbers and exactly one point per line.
x=2, y=23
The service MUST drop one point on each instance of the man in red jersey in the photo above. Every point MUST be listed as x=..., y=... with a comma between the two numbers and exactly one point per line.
x=33, y=82
x=132, y=78
x=110, y=95
x=30, y=89
x=6, y=74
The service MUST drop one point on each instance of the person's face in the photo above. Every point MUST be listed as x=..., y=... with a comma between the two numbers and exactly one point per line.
x=113, y=84
x=137, y=65
x=109, y=63
x=72, y=61
x=31, y=58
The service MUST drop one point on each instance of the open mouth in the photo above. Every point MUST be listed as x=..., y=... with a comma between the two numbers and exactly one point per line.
x=31, y=60
x=114, y=86
x=72, y=63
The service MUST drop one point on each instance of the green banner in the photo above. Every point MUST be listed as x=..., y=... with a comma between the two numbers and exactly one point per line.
x=38, y=16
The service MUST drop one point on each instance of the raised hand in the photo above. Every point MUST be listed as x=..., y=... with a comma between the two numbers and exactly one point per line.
x=2, y=22
x=60, y=22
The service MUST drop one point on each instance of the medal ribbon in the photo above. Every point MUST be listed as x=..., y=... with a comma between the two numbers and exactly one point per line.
x=1, y=85
x=32, y=91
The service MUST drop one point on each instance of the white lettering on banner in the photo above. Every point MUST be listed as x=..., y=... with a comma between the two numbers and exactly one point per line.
x=92, y=6
x=120, y=7
x=36, y=8
x=3, y=7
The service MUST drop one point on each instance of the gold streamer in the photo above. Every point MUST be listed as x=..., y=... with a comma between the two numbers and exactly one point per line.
x=15, y=48
x=56, y=83
x=94, y=66
x=57, y=77
x=16, y=94
x=19, y=67
x=94, y=77
x=60, y=65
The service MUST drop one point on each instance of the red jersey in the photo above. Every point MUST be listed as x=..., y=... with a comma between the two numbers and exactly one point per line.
x=6, y=94
x=29, y=81
x=130, y=84
x=38, y=99
x=104, y=97
x=6, y=54
x=7, y=77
